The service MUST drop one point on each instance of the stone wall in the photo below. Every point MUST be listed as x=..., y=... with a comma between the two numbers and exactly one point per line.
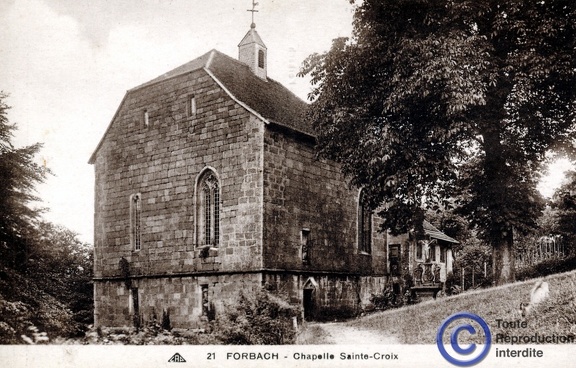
x=162, y=161
x=181, y=297
x=333, y=295
x=303, y=193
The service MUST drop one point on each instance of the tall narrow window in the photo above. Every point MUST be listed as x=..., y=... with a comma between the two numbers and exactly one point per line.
x=205, y=301
x=191, y=106
x=146, y=118
x=442, y=255
x=394, y=259
x=305, y=243
x=364, y=225
x=208, y=211
x=419, y=247
x=135, y=307
x=261, y=59
x=135, y=221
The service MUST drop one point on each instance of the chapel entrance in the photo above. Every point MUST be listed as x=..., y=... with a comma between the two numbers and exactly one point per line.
x=308, y=293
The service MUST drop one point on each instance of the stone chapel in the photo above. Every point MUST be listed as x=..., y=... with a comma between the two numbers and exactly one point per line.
x=207, y=182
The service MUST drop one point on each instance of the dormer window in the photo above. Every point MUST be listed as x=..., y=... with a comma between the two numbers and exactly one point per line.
x=261, y=59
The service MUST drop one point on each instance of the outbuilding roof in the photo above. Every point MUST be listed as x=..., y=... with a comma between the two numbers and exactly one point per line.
x=433, y=232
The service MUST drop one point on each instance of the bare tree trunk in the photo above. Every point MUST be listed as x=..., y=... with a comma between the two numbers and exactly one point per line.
x=503, y=259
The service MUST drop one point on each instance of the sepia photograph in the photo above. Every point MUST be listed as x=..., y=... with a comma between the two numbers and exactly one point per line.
x=322, y=183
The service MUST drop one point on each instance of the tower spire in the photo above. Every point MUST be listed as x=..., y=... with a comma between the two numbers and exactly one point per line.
x=253, y=10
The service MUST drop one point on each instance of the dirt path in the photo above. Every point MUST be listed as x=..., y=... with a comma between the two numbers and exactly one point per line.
x=340, y=334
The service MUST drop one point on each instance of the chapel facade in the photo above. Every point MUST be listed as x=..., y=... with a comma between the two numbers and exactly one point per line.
x=207, y=182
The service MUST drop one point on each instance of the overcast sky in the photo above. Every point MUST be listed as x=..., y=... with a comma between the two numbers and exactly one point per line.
x=67, y=64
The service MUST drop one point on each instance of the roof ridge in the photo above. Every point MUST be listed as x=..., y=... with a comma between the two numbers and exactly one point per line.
x=210, y=58
x=173, y=72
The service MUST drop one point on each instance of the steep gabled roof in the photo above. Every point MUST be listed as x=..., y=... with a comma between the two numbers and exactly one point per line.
x=198, y=63
x=250, y=37
x=433, y=232
x=267, y=99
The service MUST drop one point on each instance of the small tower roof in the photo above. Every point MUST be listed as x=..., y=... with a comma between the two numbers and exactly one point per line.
x=252, y=37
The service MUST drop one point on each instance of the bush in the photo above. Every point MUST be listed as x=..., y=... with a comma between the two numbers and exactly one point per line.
x=257, y=318
x=26, y=310
x=451, y=285
x=547, y=267
x=388, y=299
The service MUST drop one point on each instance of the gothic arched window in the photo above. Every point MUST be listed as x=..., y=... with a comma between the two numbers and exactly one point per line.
x=208, y=210
x=364, y=224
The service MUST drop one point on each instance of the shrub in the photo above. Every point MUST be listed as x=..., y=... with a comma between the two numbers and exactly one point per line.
x=547, y=267
x=388, y=299
x=451, y=285
x=257, y=318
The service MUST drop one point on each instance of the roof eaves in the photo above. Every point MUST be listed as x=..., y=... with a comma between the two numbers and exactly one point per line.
x=244, y=105
x=441, y=236
x=293, y=129
x=93, y=156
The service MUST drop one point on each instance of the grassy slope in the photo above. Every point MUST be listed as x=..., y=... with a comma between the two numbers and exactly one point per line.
x=418, y=324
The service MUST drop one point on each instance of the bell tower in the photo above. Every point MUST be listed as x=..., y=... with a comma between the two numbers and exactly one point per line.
x=252, y=51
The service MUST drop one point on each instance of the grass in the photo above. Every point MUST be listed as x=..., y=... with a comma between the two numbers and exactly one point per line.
x=418, y=324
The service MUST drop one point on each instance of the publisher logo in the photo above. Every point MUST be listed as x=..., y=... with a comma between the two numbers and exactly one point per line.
x=177, y=358
x=463, y=356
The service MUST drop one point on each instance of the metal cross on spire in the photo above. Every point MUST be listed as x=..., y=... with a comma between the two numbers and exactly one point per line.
x=253, y=10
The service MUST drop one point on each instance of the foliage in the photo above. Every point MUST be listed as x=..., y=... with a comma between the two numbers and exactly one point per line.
x=45, y=271
x=257, y=318
x=564, y=204
x=388, y=299
x=18, y=175
x=147, y=335
x=27, y=310
x=451, y=285
x=62, y=266
x=547, y=267
x=432, y=98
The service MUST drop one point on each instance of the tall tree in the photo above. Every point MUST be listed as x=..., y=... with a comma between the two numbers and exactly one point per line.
x=564, y=211
x=437, y=98
x=18, y=176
